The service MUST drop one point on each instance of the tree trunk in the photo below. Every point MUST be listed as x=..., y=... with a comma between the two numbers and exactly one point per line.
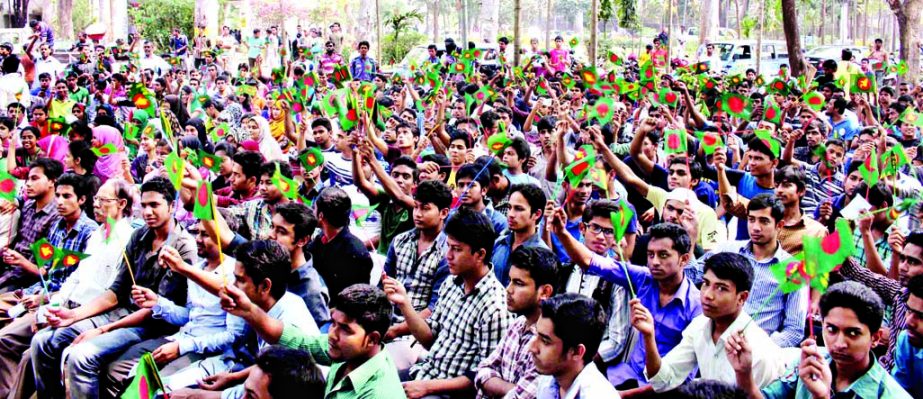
x=549, y=5
x=908, y=18
x=865, y=27
x=378, y=37
x=759, y=37
x=844, y=22
x=517, y=30
x=737, y=5
x=708, y=27
x=488, y=20
x=19, y=14
x=66, y=18
x=364, y=21
x=792, y=37
x=594, y=28
x=823, y=20
x=436, y=21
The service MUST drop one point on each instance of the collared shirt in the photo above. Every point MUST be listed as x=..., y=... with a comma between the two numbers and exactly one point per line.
x=874, y=384
x=376, y=378
x=95, y=273
x=511, y=362
x=421, y=275
x=791, y=236
x=784, y=315
x=503, y=248
x=305, y=282
x=330, y=61
x=699, y=350
x=908, y=365
x=891, y=293
x=73, y=239
x=34, y=223
x=396, y=218
x=205, y=328
x=669, y=320
x=342, y=261
x=589, y=384
x=363, y=68
x=881, y=246
x=821, y=188
x=467, y=327
x=255, y=215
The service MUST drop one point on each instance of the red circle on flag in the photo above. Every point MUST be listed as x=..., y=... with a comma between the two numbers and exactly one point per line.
x=7, y=185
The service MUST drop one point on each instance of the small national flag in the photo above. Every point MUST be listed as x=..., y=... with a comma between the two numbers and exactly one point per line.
x=287, y=186
x=589, y=76
x=912, y=117
x=615, y=59
x=600, y=179
x=710, y=141
x=584, y=160
x=109, y=230
x=893, y=159
x=899, y=68
x=105, y=150
x=349, y=113
x=7, y=186
x=772, y=113
x=58, y=126
x=699, y=67
x=142, y=98
x=771, y=142
x=311, y=159
x=498, y=142
x=361, y=213
x=871, y=173
x=568, y=81
x=674, y=141
x=621, y=220
x=341, y=74
x=814, y=100
x=44, y=252
x=603, y=110
x=778, y=86
x=736, y=105
x=69, y=258
x=209, y=161
x=668, y=97
x=823, y=255
x=204, y=205
x=176, y=168
x=574, y=42
x=147, y=383
x=542, y=87
x=862, y=84
x=220, y=131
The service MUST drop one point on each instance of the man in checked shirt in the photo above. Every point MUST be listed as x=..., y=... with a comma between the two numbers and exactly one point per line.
x=470, y=316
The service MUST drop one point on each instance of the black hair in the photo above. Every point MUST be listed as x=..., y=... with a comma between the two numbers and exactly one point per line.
x=695, y=168
x=51, y=168
x=266, y=259
x=857, y=297
x=322, y=122
x=161, y=185
x=10, y=64
x=887, y=89
x=368, y=306
x=829, y=64
x=578, y=320
x=461, y=135
x=78, y=183
x=546, y=123
x=731, y=266
x=8, y=122
x=489, y=119
x=879, y=195
x=791, y=174
x=80, y=149
x=300, y=216
x=676, y=233
x=335, y=205
x=269, y=169
x=291, y=370
x=474, y=229
x=250, y=163
x=434, y=192
x=915, y=238
x=708, y=389
x=541, y=263
x=431, y=47
x=521, y=147
x=364, y=43
x=405, y=160
x=228, y=148
x=599, y=209
x=533, y=195
x=470, y=171
x=767, y=200
x=852, y=167
x=915, y=284
x=757, y=144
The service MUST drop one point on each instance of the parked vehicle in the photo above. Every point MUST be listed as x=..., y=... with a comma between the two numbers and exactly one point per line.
x=817, y=55
x=740, y=55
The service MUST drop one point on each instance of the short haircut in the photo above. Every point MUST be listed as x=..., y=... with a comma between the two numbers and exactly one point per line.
x=791, y=174
x=915, y=285
x=533, y=195
x=521, y=147
x=599, y=209
x=269, y=169
x=364, y=43
x=857, y=297
x=80, y=149
x=368, y=306
x=51, y=168
x=853, y=167
x=474, y=229
x=708, y=389
x=764, y=201
x=405, y=160
x=757, y=144
x=335, y=205
x=300, y=216
x=541, y=263
x=161, y=185
x=291, y=370
x=434, y=192
x=124, y=191
x=879, y=195
x=250, y=162
x=733, y=267
x=578, y=320
x=322, y=122
x=470, y=171
x=829, y=64
x=463, y=136
x=676, y=233
x=79, y=185
x=228, y=149
x=489, y=119
x=266, y=259
x=695, y=168
x=840, y=104
x=546, y=123
x=915, y=238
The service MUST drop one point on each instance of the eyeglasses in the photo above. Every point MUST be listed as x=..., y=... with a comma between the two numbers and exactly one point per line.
x=596, y=229
x=103, y=199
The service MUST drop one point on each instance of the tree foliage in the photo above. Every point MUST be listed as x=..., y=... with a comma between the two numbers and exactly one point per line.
x=156, y=18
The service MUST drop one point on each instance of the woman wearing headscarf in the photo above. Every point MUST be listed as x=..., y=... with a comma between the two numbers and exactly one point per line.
x=280, y=124
x=258, y=127
x=54, y=147
x=110, y=165
x=177, y=108
x=195, y=127
x=231, y=115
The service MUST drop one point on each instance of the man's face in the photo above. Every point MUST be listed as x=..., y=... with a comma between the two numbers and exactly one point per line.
x=45, y=83
x=848, y=340
x=649, y=148
x=268, y=191
x=427, y=216
x=15, y=113
x=852, y=180
x=458, y=110
x=284, y=233
x=761, y=226
x=547, y=349
x=475, y=193
x=347, y=339
x=761, y=164
x=788, y=193
x=68, y=202
x=911, y=263
x=583, y=191
x=720, y=297
x=679, y=176
x=205, y=246
x=254, y=291
x=710, y=50
x=673, y=210
x=813, y=137
x=37, y=184
x=522, y=296
x=46, y=51
x=457, y=151
x=321, y=136
x=148, y=49
x=363, y=50
x=155, y=209
x=834, y=156
x=520, y=217
x=460, y=258
x=915, y=320
x=664, y=261
x=904, y=89
x=511, y=158
x=598, y=234
x=61, y=90
x=403, y=176
x=404, y=137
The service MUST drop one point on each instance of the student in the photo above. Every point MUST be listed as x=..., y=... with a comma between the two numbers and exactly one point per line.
x=255, y=216
x=515, y=156
x=527, y=204
x=566, y=338
x=395, y=199
x=790, y=190
x=908, y=355
x=509, y=370
x=725, y=288
x=471, y=191
x=339, y=257
x=280, y=371
x=852, y=316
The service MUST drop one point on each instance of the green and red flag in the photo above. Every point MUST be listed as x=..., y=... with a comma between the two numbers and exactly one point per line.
x=286, y=186
x=912, y=117
x=542, y=87
x=568, y=81
x=362, y=212
x=621, y=220
x=893, y=159
x=209, y=161
x=175, y=167
x=220, y=131
x=699, y=67
x=647, y=73
x=44, y=252
x=710, y=141
x=736, y=105
x=708, y=83
x=614, y=58
x=602, y=110
x=147, y=383
x=142, y=98
x=766, y=136
x=600, y=179
x=105, y=150
x=814, y=100
x=278, y=76
x=823, y=255
x=589, y=76
x=7, y=186
x=311, y=159
x=759, y=81
x=109, y=229
x=349, y=113
x=497, y=143
x=871, y=173
x=461, y=67
x=735, y=79
x=340, y=75
x=668, y=97
x=899, y=68
x=67, y=258
x=674, y=141
x=58, y=126
x=584, y=160
x=204, y=202
x=778, y=86
x=772, y=112
x=862, y=84
x=574, y=42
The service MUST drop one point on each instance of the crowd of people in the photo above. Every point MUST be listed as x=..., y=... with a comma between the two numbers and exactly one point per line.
x=304, y=225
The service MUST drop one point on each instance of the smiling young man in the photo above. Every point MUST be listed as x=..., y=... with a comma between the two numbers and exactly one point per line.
x=509, y=370
x=527, y=203
x=255, y=216
x=243, y=181
x=846, y=367
x=725, y=288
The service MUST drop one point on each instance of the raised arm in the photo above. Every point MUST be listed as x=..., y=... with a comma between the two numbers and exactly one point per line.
x=637, y=142
x=622, y=171
x=390, y=185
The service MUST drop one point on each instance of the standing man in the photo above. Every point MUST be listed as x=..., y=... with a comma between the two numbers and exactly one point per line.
x=363, y=67
x=255, y=45
x=45, y=34
x=330, y=59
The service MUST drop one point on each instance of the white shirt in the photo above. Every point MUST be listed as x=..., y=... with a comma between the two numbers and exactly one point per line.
x=13, y=88
x=155, y=63
x=697, y=349
x=50, y=65
x=590, y=383
x=96, y=273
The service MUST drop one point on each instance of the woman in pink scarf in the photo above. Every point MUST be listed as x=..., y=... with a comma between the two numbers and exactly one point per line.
x=54, y=147
x=108, y=165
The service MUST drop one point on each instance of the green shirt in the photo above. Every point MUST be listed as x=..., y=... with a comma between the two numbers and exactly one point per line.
x=80, y=96
x=376, y=378
x=874, y=384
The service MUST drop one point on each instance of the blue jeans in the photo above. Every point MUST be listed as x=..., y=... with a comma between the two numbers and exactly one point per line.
x=87, y=360
x=49, y=344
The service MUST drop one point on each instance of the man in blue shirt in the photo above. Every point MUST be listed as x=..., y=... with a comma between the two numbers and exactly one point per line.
x=363, y=67
x=759, y=180
x=527, y=203
x=908, y=355
x=471, y=185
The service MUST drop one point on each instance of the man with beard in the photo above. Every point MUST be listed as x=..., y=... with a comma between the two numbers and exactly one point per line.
x=330, y=59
